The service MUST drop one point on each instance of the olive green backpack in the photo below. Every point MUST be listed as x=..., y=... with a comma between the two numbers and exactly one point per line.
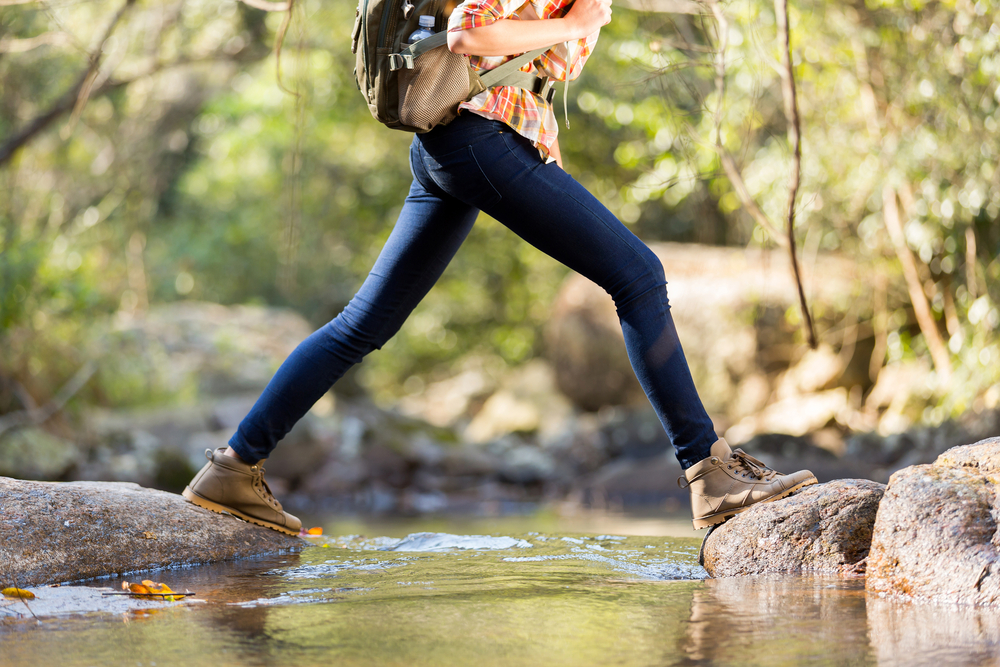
x=415, y=87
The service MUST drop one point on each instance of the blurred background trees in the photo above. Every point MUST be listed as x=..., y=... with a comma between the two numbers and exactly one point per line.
x=147, y=155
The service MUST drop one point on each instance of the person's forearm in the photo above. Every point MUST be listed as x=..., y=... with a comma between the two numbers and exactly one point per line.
x=509, y=36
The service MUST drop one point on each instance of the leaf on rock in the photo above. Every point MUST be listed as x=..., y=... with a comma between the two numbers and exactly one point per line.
x=150, y=590
x=18, y=593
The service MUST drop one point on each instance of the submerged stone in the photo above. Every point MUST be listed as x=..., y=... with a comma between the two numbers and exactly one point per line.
x=822, y=528
x=56, y=532
x=936, y=533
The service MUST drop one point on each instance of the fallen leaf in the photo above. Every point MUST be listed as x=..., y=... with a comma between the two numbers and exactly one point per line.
x=136, y=589
x=316, y=531
x=146, y=535
x=18, y=593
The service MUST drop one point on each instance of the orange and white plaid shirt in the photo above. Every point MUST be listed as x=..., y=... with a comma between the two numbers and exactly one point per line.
x=528, y=114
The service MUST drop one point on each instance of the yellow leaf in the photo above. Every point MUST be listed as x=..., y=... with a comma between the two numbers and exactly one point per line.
x=18, y=593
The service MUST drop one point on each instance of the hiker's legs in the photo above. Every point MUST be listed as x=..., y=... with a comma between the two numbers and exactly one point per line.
x=545, y=206
x=429, y=231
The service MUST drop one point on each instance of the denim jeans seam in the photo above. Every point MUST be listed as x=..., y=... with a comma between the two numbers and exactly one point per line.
x=472, y=154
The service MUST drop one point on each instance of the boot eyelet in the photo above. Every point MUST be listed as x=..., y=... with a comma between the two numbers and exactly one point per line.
x=715, y=459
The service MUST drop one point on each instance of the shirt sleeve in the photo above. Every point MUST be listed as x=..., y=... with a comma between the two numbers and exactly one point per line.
x=479, y=13
x=564, y=62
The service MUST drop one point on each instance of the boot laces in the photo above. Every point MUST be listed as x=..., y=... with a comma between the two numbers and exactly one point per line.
x=746, y=463
x=261, y=485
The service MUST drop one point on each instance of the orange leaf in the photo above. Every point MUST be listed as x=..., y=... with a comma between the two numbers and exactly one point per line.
x=136, y=589
x=156, y=588
x=315, y=531
x=18, y=593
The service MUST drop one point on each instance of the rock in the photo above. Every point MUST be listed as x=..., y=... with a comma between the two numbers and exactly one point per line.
x=728, y=305
x=188, y=350
x=525, y=464
x=796, y=415
x=70, y=531
x=822, y=528
x=528, y=402
x=31, y=453
x=631, y=482
x=817, y=370
x=445, y=402
x=935, y=535
x=337, y=477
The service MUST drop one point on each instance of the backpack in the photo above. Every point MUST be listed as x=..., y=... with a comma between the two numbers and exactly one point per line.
x=415, y=87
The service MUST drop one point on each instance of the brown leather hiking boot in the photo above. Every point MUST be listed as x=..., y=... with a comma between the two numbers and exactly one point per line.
x=229, y=485
x=729, y=482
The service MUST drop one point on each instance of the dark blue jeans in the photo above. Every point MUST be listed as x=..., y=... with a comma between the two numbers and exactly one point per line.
x=472, y=165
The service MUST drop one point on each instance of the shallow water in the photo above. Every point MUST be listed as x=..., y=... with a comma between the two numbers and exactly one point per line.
x=508, y=598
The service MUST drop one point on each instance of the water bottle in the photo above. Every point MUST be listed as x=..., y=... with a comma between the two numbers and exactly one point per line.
x=425, y=30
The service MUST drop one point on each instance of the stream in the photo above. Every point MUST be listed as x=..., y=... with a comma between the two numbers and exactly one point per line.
x=539, y=590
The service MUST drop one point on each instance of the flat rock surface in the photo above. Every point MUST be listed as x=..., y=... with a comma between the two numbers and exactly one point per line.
x=936, y=534
x=822, y=528
x=54, y=532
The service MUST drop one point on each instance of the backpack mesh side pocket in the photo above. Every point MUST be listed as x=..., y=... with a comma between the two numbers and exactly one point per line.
x=429, y=94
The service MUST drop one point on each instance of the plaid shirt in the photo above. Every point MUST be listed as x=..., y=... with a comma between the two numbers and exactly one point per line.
x=527, y=113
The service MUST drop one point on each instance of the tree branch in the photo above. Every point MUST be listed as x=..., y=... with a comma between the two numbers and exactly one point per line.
x=725, y=157
x=32, y=416
x=925, y=319
x=69, y=100
x=11, y=45
x=746, y=199
x=795, y=139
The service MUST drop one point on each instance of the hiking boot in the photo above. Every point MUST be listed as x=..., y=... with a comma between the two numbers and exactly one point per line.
x=729, y=482
x=229, y=485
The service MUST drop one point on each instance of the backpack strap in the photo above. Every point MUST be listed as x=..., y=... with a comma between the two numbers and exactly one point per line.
x=404, y=59
x=507, y=74
x=498, y=75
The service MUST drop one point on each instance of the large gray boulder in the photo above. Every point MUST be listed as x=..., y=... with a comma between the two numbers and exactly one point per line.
x=935, y=537
x=822, y=528
x=728, y=305
x=53, y=532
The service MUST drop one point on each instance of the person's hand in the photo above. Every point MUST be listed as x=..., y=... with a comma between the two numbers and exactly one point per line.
x=556, y=153
x=588, y=16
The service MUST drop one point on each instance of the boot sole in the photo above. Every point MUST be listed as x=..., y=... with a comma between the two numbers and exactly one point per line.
x=719, y=517
x=205, y=503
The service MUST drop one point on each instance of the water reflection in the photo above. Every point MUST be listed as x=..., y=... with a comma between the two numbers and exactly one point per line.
x=905, y=634
x=515, y=599
x=777, y=620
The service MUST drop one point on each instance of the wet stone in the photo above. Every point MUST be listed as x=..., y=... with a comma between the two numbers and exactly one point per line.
x=56, y=532
x=822, y=528
x=936, y=534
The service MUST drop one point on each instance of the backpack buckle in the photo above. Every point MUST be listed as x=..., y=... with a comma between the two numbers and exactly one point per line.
x=398, y=61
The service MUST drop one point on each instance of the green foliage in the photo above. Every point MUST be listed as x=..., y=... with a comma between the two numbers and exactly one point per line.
x=189, y=174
